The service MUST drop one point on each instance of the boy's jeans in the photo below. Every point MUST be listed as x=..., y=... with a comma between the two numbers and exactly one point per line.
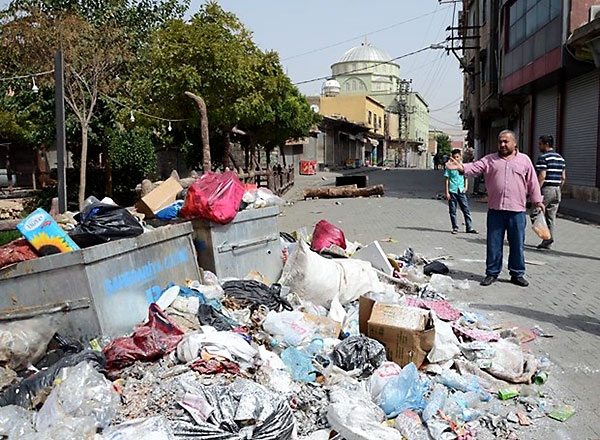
x=462, y=201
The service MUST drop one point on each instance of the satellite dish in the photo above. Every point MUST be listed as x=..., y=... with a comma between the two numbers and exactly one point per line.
x=315, y=108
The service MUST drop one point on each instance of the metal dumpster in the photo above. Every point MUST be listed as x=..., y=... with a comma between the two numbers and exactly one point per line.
x=249, y=242
x=101, y=290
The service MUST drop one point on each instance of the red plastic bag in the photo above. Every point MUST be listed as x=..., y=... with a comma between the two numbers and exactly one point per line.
x=215, y=197
x=149, y=342
x=326, y=234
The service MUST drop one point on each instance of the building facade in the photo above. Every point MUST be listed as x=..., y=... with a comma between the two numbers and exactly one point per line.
x=533, y=66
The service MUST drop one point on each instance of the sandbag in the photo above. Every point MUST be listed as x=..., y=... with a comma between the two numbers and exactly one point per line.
x=320, y=280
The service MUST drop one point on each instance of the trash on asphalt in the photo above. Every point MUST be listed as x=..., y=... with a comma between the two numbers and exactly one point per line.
x=336, y=348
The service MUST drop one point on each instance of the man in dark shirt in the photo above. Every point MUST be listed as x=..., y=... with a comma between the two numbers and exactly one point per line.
x=551, y=175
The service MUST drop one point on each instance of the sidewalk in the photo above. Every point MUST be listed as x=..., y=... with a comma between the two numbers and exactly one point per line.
x=579, y=209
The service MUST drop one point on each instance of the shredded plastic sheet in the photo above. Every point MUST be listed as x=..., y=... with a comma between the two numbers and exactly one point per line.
x=251, y=293
x=243, y=410
x=152, y=428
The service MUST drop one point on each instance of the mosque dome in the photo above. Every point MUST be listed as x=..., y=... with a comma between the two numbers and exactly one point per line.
x=365, y=52
x=331, y=88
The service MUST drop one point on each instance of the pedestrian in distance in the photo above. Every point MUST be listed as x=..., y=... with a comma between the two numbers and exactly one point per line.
x=510, y=177
x=457, y=186
x=551, y=169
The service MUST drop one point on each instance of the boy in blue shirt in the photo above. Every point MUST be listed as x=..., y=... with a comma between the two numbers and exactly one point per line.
x=456, y=194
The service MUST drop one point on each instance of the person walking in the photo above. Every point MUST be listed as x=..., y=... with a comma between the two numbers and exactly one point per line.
x=510, y=177
x=457, y=186
x=551, y=169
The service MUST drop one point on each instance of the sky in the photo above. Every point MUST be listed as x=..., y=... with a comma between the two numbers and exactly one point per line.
x=311, y=35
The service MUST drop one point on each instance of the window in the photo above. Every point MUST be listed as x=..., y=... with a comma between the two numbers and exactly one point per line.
x=369, y=117
x=347, y=86
x=526, y=17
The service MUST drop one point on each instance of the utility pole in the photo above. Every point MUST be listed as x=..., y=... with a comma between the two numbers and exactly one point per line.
x=61, y=149
x=477, y=80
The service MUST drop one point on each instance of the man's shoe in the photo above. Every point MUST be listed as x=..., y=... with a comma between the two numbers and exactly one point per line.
x=519, y=281
x=489, y=279
x=472, y=231
x=545, y=244
x=455, y=231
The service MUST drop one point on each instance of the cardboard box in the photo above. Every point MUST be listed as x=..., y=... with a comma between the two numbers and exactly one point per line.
x=406, y=332
x=45, y=235
x=160, y=197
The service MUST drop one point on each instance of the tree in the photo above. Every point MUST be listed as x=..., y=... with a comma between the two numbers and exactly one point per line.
x=444, y=144
x=98, y=41
x=213, y=57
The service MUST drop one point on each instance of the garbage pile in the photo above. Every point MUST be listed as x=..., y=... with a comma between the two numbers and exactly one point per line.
x=339, y=348
x=212, y=196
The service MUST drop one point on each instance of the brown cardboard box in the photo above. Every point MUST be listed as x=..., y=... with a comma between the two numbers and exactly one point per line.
x=406, y=332
x=160, y=197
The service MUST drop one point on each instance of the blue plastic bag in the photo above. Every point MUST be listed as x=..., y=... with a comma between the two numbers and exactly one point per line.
x=299, y=364
x=403, y=392
x=170, y=212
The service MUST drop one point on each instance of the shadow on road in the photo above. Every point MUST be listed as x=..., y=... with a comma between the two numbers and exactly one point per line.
x=571, y=323
x=560, y=254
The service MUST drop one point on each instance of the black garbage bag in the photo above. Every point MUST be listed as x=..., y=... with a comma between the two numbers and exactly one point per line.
x=208, y=315
x=24, y=393
x=101, y=223
x=359, y=352
x=435, y=267
x=250, y=293
x=58, y=347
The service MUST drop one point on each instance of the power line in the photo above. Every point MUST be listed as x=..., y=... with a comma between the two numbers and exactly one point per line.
x=431, y=46
x=30, y=75
x=447, y=105
x=359, y=36
x=131, y=109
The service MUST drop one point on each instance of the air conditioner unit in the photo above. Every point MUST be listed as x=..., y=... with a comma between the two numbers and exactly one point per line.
x=594, y=12
x=376, y=126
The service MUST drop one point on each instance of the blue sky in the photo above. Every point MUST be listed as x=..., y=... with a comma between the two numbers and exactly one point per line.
x=310, y=35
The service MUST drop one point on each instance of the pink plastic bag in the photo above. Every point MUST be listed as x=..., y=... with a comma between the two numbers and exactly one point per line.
x=325, y=235
x=214, y=196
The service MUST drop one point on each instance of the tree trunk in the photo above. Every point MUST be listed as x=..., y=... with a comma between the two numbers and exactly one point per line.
x=83, y=164
x=227, y=150
x=206, y=163
x=342, y=191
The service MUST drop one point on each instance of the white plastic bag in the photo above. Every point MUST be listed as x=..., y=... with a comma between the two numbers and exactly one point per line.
x=540, y=227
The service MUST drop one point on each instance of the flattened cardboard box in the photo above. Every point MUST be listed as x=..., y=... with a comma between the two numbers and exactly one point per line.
x=406, y=332
x=160, y=197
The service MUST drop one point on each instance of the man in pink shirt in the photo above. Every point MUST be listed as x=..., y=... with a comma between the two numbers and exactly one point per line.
x=509, y=178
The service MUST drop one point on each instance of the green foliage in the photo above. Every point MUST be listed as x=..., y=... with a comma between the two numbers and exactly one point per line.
x=8, y=236
x=444, y=144
x=214, y=57
x=132, y=159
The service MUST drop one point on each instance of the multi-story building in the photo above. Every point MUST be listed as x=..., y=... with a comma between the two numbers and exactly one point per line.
x=533, y=66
